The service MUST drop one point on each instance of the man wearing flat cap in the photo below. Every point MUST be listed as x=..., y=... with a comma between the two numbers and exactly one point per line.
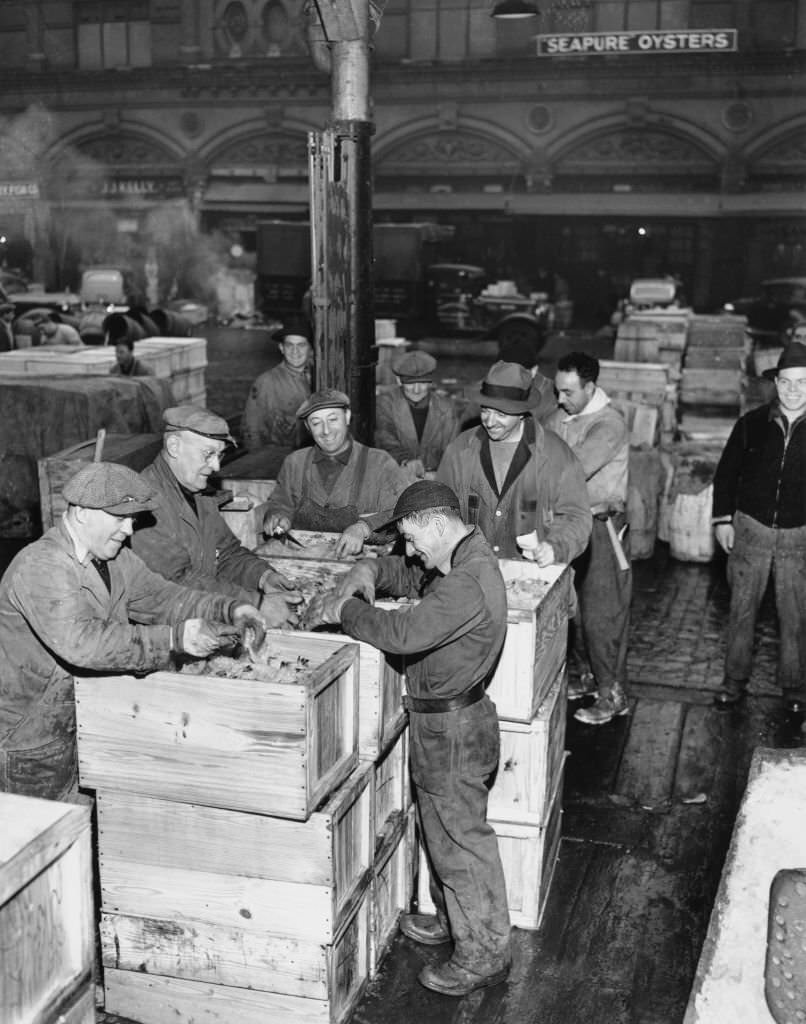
x=451, y=640
x=270, y=414
x=516, y=479
x=339, y=485
x=186, y=538
x=413, y=422
x=78, y=601
x=759, y=515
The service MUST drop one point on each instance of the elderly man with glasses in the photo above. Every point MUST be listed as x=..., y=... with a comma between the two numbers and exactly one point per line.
x=759, y=516
x=186, y=538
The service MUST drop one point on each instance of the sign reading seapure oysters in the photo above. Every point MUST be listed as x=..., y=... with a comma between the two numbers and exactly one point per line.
x=583, y=44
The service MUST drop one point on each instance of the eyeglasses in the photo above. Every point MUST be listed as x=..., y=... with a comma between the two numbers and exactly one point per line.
x=791, y=385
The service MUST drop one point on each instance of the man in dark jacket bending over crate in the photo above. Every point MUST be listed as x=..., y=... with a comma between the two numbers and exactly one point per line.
x=451, y=640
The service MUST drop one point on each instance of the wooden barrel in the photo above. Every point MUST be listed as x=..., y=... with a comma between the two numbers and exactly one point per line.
x=643, y=499
x=691, y=536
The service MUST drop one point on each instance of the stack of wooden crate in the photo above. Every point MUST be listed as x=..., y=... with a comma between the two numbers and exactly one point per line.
x=650, y=387
x=46, y=914
x=236, y=839
x=716, y=360
x=657, y=336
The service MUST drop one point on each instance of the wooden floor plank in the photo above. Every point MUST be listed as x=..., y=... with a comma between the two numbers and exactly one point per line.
x=647, y=770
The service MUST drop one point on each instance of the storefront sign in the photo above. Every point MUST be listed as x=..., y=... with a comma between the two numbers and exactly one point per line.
x=146, y=188
x=19, y=189
x=583, y=44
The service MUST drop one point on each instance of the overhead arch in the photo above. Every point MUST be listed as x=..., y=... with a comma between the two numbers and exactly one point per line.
x=779, y=149
x=464, y=146
x=256, y=143
x=123, y=145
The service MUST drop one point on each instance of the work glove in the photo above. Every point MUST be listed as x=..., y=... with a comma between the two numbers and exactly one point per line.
x=359, y=581
x=251, y=625
x=275, y=523
x=280, y=610
x=197, y=637
x=271, y=581
x=325, y=610
x=352, y=540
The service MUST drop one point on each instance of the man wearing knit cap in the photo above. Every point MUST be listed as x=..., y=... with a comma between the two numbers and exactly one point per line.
x=186, y=538
x=413, y=422
x=451, y=639
x=270, y=414
x=338, y=485
x=78, y=601
x=514, y=479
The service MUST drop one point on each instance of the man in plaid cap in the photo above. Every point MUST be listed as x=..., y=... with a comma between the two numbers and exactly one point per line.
x=186, y=538
x=78, y=601
x=413, y=422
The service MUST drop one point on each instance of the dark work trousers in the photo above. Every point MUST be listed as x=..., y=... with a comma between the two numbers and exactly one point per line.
x=758, y=551
x=453, y=754
x=600, y=630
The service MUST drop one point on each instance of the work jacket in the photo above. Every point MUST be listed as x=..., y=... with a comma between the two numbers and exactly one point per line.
x=762, y=470
x=137, y=368
x=599, y=438
x=58, y=619
x=452, y=638
x=396, y=433
x=270, y=414
x=195, y=550
x=544, y=491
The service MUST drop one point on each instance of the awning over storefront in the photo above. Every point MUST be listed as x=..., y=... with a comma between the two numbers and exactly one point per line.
x=256, y=196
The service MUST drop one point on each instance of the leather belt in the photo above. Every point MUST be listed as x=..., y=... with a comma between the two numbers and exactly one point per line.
x=440, y=704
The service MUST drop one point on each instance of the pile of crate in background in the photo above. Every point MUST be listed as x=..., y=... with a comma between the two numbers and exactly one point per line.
x=646, y=394
x=715, y=363
x=240, y=871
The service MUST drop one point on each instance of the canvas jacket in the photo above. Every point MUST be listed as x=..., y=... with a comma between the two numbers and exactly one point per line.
x=395, y=431
x=57, y=619
x=544, y=491
x=196, y=551
x=270, y=414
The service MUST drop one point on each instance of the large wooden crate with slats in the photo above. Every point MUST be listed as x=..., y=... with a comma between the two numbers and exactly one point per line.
x=46, y=912
x=392, y=791
x=271, y=747
x=393, y=878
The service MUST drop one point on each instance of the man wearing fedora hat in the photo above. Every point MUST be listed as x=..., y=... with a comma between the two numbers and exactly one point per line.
x=186, y=538
x=514, y=478
x=413, y=422
x=338, y=485
x=270, y=414
x=759, y=515
x=79, y=601
x=451, y=639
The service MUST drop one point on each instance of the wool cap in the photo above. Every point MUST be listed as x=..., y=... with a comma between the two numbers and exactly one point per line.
x=422, y=495
x=508, y=388
x=111, y=487
x=793, y=357
x=294, y=327
x=325, y=398
x=198, y=420
x=414, y=366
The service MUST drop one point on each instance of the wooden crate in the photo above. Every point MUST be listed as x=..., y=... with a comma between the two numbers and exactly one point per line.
x=187, y=890
x=618, y=377
x=133, y=450
x=188, y=385
x=46, y=912
x=392, y=790
x=342, y=972
x=245, y=518
x=273, y=748
x=393, y=877
x=257, y=490
x=532, y=757
x=315, y=544
x=536, y=641
x=528, y=855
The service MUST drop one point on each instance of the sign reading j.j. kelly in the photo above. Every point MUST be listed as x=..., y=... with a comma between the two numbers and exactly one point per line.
x=581, y=44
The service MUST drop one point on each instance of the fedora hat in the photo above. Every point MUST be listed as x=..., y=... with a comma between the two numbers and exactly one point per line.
x=508, y=388
x=793, y=357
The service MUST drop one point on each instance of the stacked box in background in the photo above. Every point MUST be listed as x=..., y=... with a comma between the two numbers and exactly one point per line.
x=652, y=385
x=715, y=363
x=46, y=913
x=654, y=336
x=236, y=839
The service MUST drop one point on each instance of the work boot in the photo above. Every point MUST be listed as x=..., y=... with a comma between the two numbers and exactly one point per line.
x=453, y=980
x=581, y=687
x=424, y=928
x=730, y=694
x=605, y=708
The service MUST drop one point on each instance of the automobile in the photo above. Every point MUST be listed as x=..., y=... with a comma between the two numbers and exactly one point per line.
x=649, y=293
x=11, y=283
x=65, y=303
x=105, y=288
x=779, y=306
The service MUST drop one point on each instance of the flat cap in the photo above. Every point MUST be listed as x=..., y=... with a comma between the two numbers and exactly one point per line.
x=111, y=487
x=422, y=495
x=414, y=366
x=199, y=420
x=325, y=398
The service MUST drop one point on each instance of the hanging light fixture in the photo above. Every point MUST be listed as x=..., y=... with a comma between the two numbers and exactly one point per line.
x=512, y=9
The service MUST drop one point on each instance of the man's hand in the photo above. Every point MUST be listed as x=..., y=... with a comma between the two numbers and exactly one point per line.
x=352, y=540
x=279, y=611
x=271, y=581
x=197, y=637
x=544, y=554
x=275, y=523
x=251, y=625
x=725, y=536
x=324, y=609
x=360, y=581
